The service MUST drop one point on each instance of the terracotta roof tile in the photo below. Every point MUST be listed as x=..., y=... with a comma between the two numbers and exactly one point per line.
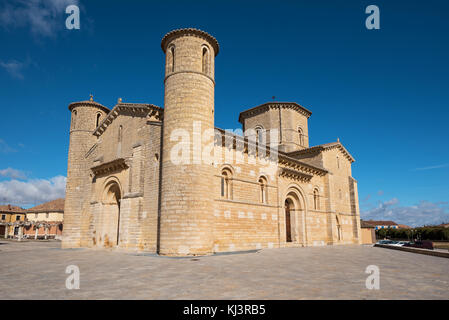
x=53, y=206
x=10, y=208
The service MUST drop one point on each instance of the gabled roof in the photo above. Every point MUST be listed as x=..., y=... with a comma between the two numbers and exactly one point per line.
x=324, y=147
x=144, y=109
x=264, y=107
x=51, y=206
x=11, y=209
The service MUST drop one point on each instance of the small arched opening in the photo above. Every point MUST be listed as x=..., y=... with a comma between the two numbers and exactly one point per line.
x=206, y=60
x=110, y=222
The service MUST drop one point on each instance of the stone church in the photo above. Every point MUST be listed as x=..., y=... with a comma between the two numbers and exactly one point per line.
x=166, y=180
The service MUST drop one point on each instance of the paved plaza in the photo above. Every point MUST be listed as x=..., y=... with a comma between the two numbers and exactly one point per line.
x=36, y=270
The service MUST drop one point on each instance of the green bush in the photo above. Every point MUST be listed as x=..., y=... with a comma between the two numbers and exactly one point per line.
x=422, y=233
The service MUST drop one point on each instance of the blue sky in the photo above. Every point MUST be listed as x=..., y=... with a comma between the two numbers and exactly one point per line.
x=384, y=93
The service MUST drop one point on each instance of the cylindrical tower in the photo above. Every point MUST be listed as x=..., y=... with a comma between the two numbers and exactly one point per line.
x=186, y=201
x=86, y=116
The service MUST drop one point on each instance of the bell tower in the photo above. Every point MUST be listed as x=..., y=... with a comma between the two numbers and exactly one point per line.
x=86, y=116
x=186, y=206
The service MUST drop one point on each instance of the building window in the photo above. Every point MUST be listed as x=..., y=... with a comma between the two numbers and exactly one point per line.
x=17, y=218
x=35, y=215
x=339, y=194
x=74, y=119
x=3, y=216
x=98, y=120
x=260, y=135
x=301, y=136
x=170, y=64
x=47, y=215
x=263, y=190
x=206, y=61
x=226, y=184
x=120, y=129
x=316, y=199
x=338, y=162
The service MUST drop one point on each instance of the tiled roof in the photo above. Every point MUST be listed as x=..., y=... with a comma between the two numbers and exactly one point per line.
x=51, y=206
x=189, y=31
x=263, y=107
x=325, y=146
x=381, y=223
x=364, y=224
x=12, y=209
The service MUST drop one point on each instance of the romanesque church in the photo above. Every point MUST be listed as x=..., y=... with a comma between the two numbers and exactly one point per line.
x=166, y=180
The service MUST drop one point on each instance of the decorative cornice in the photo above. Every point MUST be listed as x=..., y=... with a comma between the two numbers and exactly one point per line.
x=88, y=103
x=295, y=175
x=141, y=109
x=111, y=166
x=282, y=157
x=324, y=147
x=271, y=105
x=189, y=32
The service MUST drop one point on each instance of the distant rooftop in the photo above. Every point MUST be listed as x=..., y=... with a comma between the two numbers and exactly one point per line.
x=11, y=209
x=51, y=206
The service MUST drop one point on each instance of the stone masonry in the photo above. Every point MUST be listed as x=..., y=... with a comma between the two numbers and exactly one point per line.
x=167, y=181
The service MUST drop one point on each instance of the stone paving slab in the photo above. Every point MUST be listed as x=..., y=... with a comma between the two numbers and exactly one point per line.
x=36, y=270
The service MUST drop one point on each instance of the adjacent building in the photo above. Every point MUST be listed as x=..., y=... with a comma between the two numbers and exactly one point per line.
x=368, y=232
x=380, y=224
x=12, y=219
x=45, y=221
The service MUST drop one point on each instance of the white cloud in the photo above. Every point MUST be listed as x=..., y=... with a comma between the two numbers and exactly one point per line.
x=14, y=68
x=12, y=173
x=43, y=17
x=33, y=191
x=5, y=148
x=424, y=213
x=432, y=167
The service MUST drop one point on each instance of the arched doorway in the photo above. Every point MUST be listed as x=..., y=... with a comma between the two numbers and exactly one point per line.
x=109, y=224
x=294, y=214
x=289, y=209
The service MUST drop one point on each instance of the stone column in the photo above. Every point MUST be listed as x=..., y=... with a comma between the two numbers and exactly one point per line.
x=20, y=233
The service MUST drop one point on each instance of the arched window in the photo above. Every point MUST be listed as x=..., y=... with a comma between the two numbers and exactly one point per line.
x=316, y=199
x=98, y=120
x=172, y=49
x=74, y=119
x=170, y=63
x=206, y=61
x=338, y=162
x=339, y=194
x=120, y=132
x=263, y=190
x=301, y=136
x=260, y=134
x=226, y=184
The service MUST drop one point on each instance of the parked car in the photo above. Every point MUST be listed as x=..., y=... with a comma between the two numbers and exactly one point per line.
x=424, y=244
x=385, y=242
x=399, y=243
